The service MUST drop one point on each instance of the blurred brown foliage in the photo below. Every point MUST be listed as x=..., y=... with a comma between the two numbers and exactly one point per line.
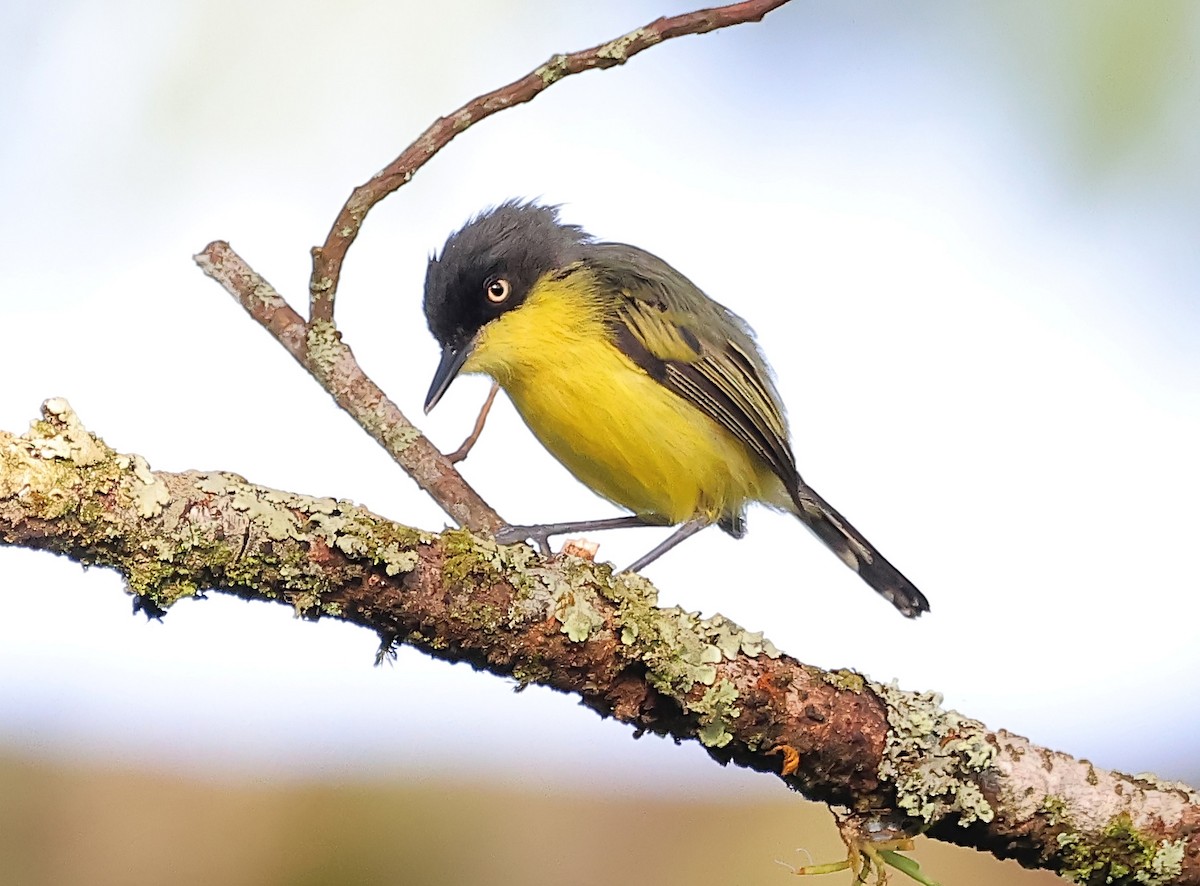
x=91, y=825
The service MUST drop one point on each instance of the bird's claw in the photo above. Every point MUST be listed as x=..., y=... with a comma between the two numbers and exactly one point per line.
x=511, y=535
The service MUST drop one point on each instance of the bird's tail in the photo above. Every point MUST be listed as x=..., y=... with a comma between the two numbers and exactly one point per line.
x=856, y=552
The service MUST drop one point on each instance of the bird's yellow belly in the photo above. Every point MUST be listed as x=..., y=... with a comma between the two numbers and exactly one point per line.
x=619, y=431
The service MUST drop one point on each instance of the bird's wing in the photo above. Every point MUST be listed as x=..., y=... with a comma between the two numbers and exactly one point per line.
x=695, y=348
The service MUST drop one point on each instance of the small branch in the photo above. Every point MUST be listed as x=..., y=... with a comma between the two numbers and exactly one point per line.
x=321, y=351
x=317, y=345
x=468, y=444
x=328, y=258
x=898, y=759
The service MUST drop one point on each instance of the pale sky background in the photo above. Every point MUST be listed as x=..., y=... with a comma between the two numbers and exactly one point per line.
x=966, y=234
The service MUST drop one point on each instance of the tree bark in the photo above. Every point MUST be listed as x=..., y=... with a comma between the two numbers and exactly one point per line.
x=896, y=760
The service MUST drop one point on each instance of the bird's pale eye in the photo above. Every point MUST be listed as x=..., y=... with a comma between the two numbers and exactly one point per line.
x=498, y=291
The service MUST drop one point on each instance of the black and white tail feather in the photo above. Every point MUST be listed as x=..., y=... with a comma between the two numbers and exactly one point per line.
x=856, y=552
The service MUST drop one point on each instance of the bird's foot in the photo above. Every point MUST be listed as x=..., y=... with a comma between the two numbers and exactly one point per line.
x=574, y=547
x=540, y=534
x=512, y=535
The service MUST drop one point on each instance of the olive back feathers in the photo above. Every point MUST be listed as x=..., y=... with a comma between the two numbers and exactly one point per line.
x=696, y=348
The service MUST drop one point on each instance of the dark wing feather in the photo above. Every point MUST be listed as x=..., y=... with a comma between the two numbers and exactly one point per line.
x=706, y=354
x=695, y=348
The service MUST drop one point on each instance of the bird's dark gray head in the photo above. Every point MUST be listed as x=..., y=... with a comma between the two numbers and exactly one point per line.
x=486, y=269
x=489, y=266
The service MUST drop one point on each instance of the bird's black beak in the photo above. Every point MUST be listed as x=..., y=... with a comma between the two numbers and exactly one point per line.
x=453, y=358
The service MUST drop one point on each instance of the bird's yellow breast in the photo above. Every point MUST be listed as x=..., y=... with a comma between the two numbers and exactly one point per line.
x=612, y=425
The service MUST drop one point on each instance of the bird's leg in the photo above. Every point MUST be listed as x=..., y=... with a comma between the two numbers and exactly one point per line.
x=468, y=444
x=541, y=533
x=687, y=530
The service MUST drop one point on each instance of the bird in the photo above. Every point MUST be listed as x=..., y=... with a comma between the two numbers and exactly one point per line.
x=647, y=390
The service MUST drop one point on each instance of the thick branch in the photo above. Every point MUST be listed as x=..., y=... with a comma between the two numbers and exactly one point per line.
x=897, y=758
x=328, y=258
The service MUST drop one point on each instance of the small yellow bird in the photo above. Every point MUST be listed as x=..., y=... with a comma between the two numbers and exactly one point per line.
x=648, y=391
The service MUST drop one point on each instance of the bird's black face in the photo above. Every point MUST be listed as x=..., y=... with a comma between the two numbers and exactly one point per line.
x=486, y=269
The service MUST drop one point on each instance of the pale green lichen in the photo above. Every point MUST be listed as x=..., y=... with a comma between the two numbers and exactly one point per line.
x=468, y=558
x=845, y=680
x=213, y=484
x=269, y=555
x=1154, y=783
x=396, y=560
x=262, y=291
x=732, y=639
x=62, y=472
x=679, y=650
x=577, y=621
x=340, y=525
x=575, y=608
x=676, y=653
x=283, y=516
x=1166, y=864
x=934, y=757
x=399, y=437
x=140, y=467
x=553, y=70
x=716, y=711
x=568, y=593
x=471, y=561
x=149, y=492
x=266, y=511
x=669, y=641
x=62, y=435
x=682, y=651
x=1119, y=854
x=361, y=536
x=618, y=50
x=324, y=347
x=59, y=470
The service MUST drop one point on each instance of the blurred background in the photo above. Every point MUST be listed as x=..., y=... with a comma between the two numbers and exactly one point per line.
x=966, y=234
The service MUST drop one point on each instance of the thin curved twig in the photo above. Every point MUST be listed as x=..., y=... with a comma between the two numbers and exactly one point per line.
x=328, y=258
x=317, y=344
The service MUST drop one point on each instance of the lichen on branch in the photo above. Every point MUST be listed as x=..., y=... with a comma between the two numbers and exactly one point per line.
x=897, y=760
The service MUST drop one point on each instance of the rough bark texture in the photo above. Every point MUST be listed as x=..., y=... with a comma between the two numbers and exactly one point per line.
x=896, y=759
